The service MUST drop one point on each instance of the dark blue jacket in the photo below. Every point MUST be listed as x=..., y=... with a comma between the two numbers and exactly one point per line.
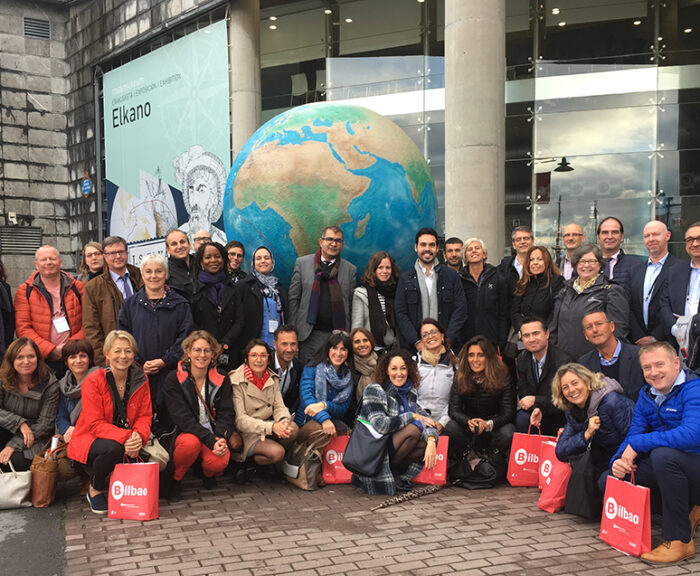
x=159, y=330
x=671, y=269
x=625, y=266
x=631, y=375
x=615, y=412
x=487, y=305
x=673, y=296
x=674, y=424
x=452, y=307
x=307, y=395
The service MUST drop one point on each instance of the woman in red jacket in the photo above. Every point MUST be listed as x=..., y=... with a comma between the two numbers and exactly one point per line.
x=116, y=416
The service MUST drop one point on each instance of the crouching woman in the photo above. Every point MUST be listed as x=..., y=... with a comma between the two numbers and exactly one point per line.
x=116, y=415
x=390, y=406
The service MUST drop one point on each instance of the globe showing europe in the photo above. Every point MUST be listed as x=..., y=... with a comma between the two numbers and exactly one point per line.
x=323, y=164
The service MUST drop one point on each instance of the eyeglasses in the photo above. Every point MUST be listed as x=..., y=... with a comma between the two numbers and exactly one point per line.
x=258, y=356
x=205, y=351
x=115, y=253
x=430, y=334
x=333, y=240
x=587, y=262
x=690, y=240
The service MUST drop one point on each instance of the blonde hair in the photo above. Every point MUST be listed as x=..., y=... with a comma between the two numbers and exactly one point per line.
x=119, y=335
x=594, y=381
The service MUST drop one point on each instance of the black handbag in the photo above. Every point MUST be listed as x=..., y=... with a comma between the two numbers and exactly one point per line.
x=490, y=469
x=583, y=497
x=364, y=454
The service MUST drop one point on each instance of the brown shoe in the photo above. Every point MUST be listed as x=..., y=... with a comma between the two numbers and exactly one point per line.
x=694, y=520
x=670, y=553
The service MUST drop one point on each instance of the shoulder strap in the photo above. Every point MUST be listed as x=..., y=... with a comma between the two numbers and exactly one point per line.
x=206, y=407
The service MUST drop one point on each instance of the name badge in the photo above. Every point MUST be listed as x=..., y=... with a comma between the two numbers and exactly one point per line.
x=272, y=326
x=61, y=325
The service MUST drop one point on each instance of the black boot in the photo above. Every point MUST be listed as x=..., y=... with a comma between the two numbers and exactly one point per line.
x=174, y=493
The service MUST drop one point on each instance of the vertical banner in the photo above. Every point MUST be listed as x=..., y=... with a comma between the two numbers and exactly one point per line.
x=167, y=140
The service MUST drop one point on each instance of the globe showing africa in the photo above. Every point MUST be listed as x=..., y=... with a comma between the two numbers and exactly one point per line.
x=323, y=164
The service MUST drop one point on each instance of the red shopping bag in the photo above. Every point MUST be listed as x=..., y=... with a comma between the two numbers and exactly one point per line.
x=547, y=457
x=523, y=466
x=133, y=491
x=437, y=475
x=554, y=479
x=333, y=470
x=626, y=520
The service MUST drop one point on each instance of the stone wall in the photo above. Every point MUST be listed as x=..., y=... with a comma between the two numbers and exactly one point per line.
x=47, y=112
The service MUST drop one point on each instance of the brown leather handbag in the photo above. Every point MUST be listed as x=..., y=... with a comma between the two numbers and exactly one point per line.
x=44, y=470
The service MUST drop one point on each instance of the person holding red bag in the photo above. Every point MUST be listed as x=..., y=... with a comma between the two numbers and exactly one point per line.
x=598, y=415
x=662, y=448
x=115, y=420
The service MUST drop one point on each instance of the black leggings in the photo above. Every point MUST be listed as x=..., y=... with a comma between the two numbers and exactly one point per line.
x=18, y=460
x=104, y=455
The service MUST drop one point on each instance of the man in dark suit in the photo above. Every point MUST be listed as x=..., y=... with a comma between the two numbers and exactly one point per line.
x=537, y=365
x=428, y=290
x=511, y=267
x=287, y=365
x=619, y=266
x=647, y=284
x=614, y=358
x=320, y=293
x=682, y=292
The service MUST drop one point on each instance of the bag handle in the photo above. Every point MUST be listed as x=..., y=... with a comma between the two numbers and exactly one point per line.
x=539, y=431
x=206, y=407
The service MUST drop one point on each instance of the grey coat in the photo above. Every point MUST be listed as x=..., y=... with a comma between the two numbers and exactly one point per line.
x=300, y=292
x=566, y=330
x=360, y=315
x=37, y=408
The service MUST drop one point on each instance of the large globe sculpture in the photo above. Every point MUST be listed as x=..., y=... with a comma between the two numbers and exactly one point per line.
x=323, y=164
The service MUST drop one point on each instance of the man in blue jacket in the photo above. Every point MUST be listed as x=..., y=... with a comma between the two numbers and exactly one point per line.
x=662, y=447
x=428, y=290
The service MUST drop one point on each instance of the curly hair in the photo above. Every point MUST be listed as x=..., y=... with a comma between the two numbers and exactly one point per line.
x=381, y=372
x=495, y=372
x=550, y=269
x=369, y=276
x=594, y=381
x=8, y=374
x=192, y=337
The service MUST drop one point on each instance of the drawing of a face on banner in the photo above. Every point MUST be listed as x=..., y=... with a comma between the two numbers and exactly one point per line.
x=202, y=179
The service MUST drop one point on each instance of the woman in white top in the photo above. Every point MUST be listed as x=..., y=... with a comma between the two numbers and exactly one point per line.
x=436, y=365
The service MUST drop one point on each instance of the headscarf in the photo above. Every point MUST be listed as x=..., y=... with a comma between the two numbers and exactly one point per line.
x=267, y=282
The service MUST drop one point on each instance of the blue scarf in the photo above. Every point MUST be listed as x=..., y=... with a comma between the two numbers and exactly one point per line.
x=404, y=403
x=325, y=376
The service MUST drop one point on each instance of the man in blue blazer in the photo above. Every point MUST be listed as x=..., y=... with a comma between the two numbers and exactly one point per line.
x=614, y=358
x=428, y=290
x=681, y=293
x=662, y=447
x=619, y=266
x=647, y=285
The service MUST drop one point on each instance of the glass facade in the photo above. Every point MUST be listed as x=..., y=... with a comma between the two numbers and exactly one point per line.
x=602, y=98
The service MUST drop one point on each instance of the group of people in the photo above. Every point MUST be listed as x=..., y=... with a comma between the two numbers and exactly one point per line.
x=225, y=367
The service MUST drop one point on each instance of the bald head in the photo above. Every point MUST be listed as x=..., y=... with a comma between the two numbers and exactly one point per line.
x=656, y=237
x=48, y=262
x=573, y=237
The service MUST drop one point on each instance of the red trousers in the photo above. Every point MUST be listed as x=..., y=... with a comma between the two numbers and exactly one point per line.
x=188, y=448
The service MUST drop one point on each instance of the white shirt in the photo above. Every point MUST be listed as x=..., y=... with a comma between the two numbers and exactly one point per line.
x=429, y=278
x=283, y=374
x=691, y=299
x=652, y=273
x=518, y=267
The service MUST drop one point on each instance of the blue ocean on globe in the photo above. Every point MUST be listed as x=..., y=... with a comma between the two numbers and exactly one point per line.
x=323, y=164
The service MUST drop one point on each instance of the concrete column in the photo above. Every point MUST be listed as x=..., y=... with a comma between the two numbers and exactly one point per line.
x=475, y=60
x=244, y=75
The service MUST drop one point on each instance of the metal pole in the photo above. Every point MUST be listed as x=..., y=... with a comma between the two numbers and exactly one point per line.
x=98, y=152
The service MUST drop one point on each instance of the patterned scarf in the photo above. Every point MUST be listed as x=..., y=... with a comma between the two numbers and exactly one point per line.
x=365, y=367
x=580, y=286
x=252, y=377
x=325, y=376
x=336, y=294
x=432, y=358
x=379, y=318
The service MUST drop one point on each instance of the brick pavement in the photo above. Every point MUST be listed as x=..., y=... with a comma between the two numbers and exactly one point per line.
x=271, y=528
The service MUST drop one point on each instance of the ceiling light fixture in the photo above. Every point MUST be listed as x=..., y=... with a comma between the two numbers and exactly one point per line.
x=273, y=18
x=555, y=11
x=328, y=11
x=688, y=30
x=637, y=22
x=562, y=24
x=348, y=20
x=273, y=27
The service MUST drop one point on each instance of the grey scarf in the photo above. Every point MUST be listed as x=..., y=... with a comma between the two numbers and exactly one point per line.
x=429, y=302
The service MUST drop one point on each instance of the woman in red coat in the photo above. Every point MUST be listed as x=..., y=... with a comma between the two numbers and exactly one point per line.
x=116, y=416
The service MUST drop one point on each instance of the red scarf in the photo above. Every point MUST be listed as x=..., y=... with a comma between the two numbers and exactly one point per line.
x=251, y=377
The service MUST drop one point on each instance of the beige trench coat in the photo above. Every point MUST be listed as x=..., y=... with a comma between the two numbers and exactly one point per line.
x=256, y=410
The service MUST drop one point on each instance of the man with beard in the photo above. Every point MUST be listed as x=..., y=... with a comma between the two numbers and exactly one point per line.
x=428, y=290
